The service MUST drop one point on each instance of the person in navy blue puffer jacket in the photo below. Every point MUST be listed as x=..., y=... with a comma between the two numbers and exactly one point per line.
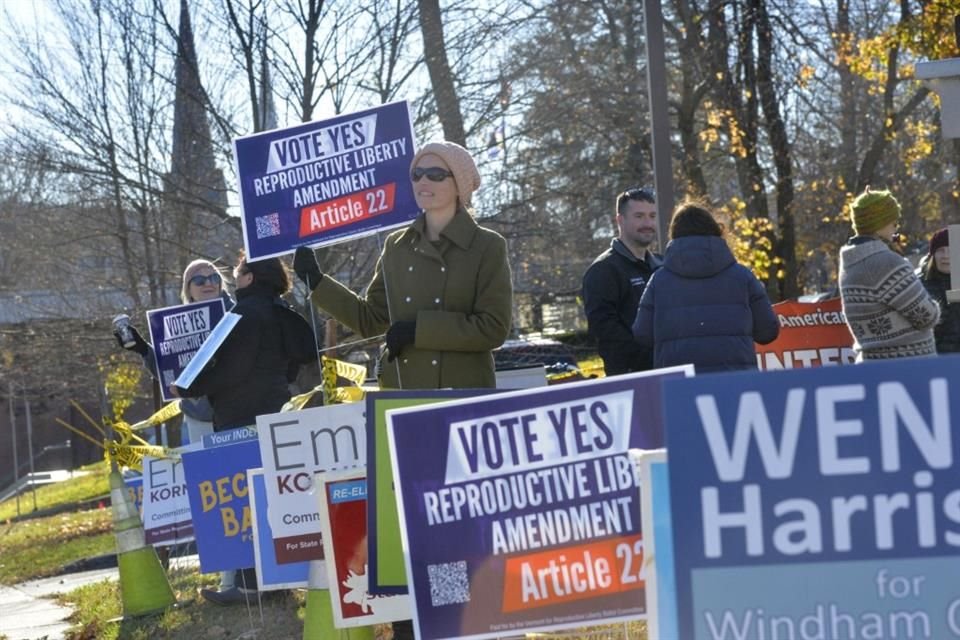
x=702, y=307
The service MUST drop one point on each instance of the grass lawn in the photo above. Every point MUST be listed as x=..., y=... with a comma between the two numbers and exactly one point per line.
x=43, y=546
x=96, y=604
x=280, y=616
x=83, y=487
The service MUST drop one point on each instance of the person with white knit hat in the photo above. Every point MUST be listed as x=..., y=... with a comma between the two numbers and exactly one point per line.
x=202, y=281
x=441, y=291
x=887, y=309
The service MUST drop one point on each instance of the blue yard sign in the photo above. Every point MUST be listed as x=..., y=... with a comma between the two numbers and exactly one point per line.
x=219, y=495
x=326, y=181
x=817, y=504
x=177, y=333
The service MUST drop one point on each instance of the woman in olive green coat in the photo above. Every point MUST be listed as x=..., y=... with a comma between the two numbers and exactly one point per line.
x=441, y=289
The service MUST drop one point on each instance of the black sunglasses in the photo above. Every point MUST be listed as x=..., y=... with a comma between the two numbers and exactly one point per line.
x=433, y=174
x=200, y=280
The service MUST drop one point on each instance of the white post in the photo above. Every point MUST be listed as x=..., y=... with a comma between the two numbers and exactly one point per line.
x=953, y=294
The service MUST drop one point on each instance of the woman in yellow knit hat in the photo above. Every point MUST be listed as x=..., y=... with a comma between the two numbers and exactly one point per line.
x=889, y=312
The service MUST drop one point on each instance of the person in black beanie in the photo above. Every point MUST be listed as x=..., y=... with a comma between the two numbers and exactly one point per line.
x=935, y=277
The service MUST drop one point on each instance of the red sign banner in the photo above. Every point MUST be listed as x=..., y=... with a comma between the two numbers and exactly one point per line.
x=812, y=334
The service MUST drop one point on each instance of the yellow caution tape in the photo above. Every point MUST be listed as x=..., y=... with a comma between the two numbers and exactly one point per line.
x=126, y=455
x=168, y=412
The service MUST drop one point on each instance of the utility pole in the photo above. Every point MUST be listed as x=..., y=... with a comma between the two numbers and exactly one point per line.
x=16, y=461
x=659, y=118
x=33, y=479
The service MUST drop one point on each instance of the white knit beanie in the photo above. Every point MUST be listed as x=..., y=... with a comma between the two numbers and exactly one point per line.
x=461, y=164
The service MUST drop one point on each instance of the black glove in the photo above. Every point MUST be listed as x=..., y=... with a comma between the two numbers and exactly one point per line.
x=306, y=267
x=400, y=335
x=139, y=344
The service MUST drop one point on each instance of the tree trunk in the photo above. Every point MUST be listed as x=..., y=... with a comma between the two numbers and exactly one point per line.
x=777, y=132
x=441, y=78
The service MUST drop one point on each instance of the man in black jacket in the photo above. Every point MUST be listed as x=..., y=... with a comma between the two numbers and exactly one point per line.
x=614, y=283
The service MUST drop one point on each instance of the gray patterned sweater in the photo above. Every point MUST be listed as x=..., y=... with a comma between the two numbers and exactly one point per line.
x=888, y=310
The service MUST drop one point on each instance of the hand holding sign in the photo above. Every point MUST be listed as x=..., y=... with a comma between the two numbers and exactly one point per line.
x=306, y=267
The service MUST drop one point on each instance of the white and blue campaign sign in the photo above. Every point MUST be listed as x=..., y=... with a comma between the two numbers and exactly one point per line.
x=270, y=574
x=220, y=500
x=166, y=507
x=327, y=181
x=657, y=543
x=207, y=350
x=817, y=504
x=294, y=445
x=520, y=511
x=177, y=333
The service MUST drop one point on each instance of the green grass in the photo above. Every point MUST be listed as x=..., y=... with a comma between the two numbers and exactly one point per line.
x=282, y=616
x=86, y=487
x=96, y=604
x=43, y=546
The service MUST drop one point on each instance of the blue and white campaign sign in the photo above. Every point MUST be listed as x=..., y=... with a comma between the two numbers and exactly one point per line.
x=177, y=333
x=520, y=511
x=270, y=574
x=327, y=181
x=295, y=445
x=657, y=543
x=166, y=507
x=817, y=504
x=220, y=500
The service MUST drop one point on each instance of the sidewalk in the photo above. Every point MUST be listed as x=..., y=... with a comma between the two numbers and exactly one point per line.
x=27, y=611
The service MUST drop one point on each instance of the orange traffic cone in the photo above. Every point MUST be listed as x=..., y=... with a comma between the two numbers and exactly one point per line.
x=144, y=587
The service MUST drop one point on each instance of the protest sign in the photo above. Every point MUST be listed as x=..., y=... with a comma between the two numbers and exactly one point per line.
x=270, y=574
x=812, y=334
x=326, y=181
x=166, y=507
x=176, y=334
x=207, y=350
x=342, y=499
x=657, y=543
x=817, y=504
x=219, y=499
x=387, y=573
x=521, y=511
x=294, y=445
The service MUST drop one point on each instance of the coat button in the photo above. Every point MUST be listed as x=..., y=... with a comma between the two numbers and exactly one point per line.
x=408, y=299
x=405, y=361
x=436, y=300
x=434, y=363
x=443, y=269
x=410, y=268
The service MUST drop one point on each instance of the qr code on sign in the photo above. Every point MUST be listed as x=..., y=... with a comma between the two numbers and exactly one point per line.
x=448, y=583
x=268, y=226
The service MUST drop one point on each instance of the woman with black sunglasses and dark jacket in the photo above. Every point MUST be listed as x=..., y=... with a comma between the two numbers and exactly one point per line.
x=441, y=289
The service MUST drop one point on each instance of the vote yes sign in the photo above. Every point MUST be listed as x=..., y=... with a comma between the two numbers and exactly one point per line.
x=520, y=511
